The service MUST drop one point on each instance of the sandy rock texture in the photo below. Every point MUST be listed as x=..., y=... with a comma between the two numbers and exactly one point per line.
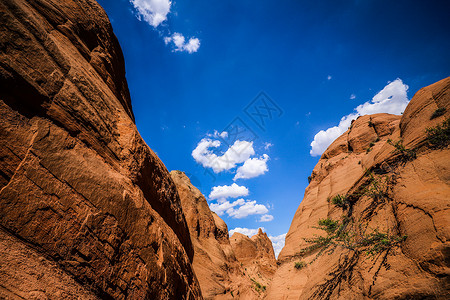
x=401, y=193
x=220, y=263
x=87, y=208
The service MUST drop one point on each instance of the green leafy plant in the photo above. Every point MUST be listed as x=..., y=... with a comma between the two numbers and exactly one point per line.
x=437, y=113
x=341, y=233
x=439, y=136
x=258, y=286
x=377, y=189
x=300, y=265
x=339, y=201
x=405, y=154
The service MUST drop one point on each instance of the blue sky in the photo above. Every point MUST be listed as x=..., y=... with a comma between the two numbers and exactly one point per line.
x=316, y=61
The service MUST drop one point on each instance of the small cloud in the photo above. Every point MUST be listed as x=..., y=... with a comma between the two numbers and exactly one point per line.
x=308, y=114
x=180, y=44
x=154, y=12
x=245, y=231
x=238, y=153
x=267, y=146
x=352, y=96
x=297, y=123
x=266, y=218
x=392, y=99
x=252, y=167
x=228, y=191
x=278, y=243
x=329, y=77
x=244, y=208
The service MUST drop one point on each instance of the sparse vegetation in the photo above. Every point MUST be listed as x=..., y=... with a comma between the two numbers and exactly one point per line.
x=377, y=189
x=344, y=234
x=300, y=265
x=437, y=113
x=439, y=136
x=339, y=201
x=371, y=123
x=258, y=286
x=405, y=154
x=309, y=179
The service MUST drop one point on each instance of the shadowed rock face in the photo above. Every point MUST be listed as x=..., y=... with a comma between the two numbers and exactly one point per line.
x=411, y=199
x=82, y=197
x=224, y=269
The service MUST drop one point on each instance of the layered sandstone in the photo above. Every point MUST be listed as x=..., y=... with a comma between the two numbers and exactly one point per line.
x=87, y=208
x=238, y=269
x=402, y=195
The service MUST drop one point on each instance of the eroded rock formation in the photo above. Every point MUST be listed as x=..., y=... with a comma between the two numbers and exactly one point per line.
x=87, y=208
x=240, y=269
x=388, y=234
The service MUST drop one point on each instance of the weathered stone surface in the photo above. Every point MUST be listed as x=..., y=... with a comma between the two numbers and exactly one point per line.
x=415, y=203
x=256, y=256
x=78, y=185
x=224, y=270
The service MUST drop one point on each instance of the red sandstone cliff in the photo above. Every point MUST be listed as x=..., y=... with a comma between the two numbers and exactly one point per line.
x=87, y=209
x=240, y=269
x=388, y=235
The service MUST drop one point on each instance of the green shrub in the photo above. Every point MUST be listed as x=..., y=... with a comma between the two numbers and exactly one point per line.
x=438, y=112
x=342, y=234
x=299, y=265
x=439, y=136
x=405, y=154
x=339, y=201
x=309, y=179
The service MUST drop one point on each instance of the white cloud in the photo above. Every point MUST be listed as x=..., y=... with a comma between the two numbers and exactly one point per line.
x=239, y=152
x=222, y=207
x=180, y=44
x=267, y=146
x=247, y=209
x=329, y=77
x=266, y=218
x=391, y=99
x=238, y=209
x=278, y=243
x=154, y=12
x=222, y=192
x=252, y=167
x=245, y=231
x=352, y=96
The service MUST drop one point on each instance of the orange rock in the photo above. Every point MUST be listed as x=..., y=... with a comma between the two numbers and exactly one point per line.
x=224, y=269
x=82, y=197
x=414, y=202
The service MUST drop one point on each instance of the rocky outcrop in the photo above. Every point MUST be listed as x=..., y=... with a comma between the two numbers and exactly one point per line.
x=87, y=208
x=223, y=269
x=256, y=256
x=386, y=235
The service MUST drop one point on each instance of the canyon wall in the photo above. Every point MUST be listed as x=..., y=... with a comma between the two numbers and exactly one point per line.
x=87, y=208
x=374, y=222
x=238, y=267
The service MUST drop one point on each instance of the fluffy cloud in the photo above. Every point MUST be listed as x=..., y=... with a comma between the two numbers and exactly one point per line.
x=180, y=44
x=222, y=192
x=267, y=145
x=352, y=96
x=245, y=231
x=329, y=77
x=238, y=209
x=154, y=12
x=246, y=209
x=391, y=99
x=239, y=152
x=252, y=167
x=266, y=218
x=278, y=243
